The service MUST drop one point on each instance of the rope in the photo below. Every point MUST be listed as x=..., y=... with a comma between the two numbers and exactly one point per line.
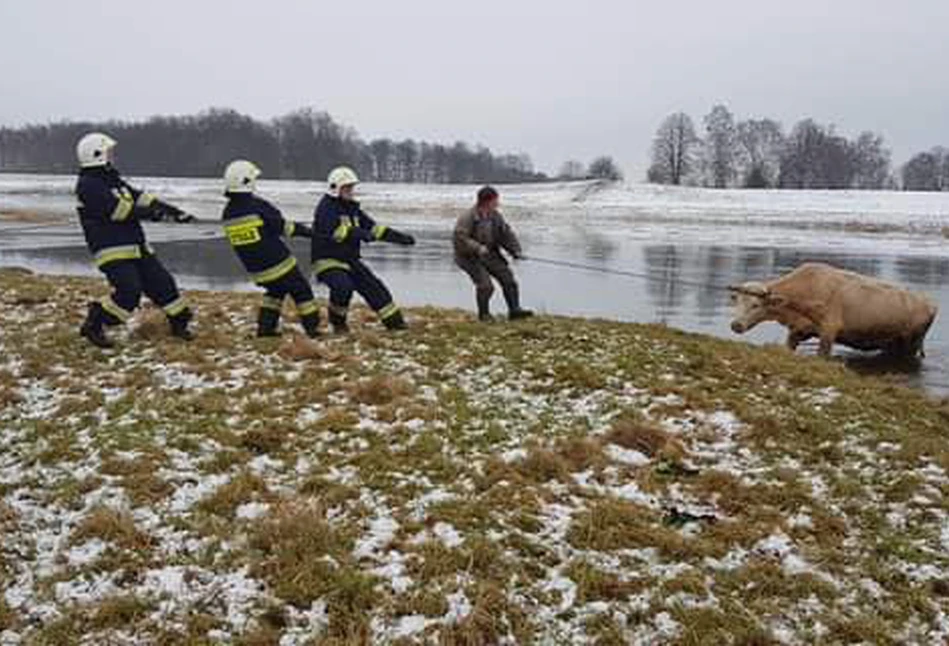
x=629, y=274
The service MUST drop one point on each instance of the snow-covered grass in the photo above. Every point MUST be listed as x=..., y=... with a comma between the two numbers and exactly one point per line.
x=551, y=481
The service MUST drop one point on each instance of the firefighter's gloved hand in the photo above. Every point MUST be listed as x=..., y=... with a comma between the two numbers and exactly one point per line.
x=163, y=211
x=302, y=231
x=397, y=237
x=184, y=218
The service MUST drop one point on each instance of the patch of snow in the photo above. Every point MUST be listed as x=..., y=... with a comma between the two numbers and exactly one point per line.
x=409, y=625
x=458, y=607
x=447, y=534
x=252, y=510
x=626, y=456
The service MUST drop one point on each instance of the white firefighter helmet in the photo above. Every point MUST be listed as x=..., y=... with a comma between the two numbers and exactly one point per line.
x=339, y=177
x=93, y=149
x=240, y=176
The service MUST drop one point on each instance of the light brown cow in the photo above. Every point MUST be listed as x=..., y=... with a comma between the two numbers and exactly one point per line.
x=836, y=306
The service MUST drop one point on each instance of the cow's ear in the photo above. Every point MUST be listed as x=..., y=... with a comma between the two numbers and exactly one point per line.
x=776, y=300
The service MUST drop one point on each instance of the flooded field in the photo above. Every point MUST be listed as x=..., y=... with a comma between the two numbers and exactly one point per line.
x=681, y=238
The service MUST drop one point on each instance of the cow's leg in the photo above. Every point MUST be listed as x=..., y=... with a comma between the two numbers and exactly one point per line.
x=826, y=343
x=916, y=348
x=794, y=339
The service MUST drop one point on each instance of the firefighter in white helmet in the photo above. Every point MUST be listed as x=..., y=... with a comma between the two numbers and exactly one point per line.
x=340, y=228
x=110, y=212
x=256, y=230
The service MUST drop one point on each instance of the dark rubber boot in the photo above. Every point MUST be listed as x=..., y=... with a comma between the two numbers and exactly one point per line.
x=513, y=298
x=484, y=305
x=179, y=325
x=338, y=321
x=311, y=324
x=267, y=322
x=93, y=328
x=396, y=322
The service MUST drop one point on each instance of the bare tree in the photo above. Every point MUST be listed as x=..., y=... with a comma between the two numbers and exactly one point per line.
x=927, y=171
x=871, y=162
x=604, y=168
x=303, y=144
x=759, y=151
x=814, y=157
x=673, y=150
x=720, y=146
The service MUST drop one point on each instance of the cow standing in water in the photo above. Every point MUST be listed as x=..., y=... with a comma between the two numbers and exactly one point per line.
x=837, y=306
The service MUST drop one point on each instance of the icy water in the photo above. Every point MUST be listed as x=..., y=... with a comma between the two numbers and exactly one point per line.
x=714, y=242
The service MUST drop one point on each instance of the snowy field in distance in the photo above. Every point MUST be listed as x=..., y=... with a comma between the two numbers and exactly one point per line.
x=610, y=204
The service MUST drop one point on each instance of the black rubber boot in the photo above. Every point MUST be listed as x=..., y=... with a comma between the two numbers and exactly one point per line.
x=311, y=324
x=267, y=321
x=513, y=298
x=93, y=328
x=338, y=321
x=396, y=322
x=484, y=305
x=179, y=325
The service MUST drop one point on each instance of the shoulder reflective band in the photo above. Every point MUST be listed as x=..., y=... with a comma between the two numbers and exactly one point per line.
x=275, y=272
x=327, y=264
x=388, y=311
x=378, y=231
x=288, y=228
x=342, y=231
x=243, y=231
x=111, y=254
x=145, y=200
x=123, y=208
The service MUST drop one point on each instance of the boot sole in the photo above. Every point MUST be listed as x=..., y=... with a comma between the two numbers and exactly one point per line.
x=103, y=344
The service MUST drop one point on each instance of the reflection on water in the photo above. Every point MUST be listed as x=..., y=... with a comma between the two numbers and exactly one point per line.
x=426, y=275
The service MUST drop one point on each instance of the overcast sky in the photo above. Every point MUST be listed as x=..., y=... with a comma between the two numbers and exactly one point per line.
x=554, y=79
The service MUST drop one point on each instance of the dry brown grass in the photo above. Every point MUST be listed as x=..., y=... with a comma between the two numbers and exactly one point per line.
x=594, y=584
x=113, y=526
x=8, y=514
x=381, y=390
x=150, y=324
x=242, y=488
x=581, y=453
x=542, y=465
x=269, y=439
x=119, y=611
x=297, y=347
x=296, y=546
x=637, y=434
x=491, y=617
x=32, y=217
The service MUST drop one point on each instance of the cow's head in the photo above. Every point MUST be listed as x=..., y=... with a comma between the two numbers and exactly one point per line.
x=753, y=303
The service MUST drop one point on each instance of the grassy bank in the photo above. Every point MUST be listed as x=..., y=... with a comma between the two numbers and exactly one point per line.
x=556, y=481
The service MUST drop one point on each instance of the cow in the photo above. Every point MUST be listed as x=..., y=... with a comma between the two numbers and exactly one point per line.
x=836, y=306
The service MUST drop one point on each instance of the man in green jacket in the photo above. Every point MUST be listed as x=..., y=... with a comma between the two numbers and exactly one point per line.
x=480, y=235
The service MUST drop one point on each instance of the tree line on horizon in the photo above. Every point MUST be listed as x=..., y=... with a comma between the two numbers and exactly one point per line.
x=304, y=144
x=757, y=153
